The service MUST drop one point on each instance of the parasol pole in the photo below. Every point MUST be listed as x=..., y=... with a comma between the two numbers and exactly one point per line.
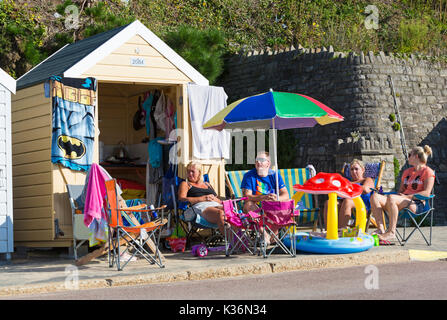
x=276, y=159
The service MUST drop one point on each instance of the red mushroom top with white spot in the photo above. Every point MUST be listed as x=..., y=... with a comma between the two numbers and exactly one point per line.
x=325, y=183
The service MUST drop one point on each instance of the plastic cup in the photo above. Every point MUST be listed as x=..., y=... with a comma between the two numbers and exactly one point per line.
x=376, y=240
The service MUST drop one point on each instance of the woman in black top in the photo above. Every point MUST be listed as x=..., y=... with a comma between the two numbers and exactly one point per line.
x=202, y=196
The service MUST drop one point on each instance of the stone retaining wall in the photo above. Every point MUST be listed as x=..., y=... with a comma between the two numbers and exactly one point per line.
x=358, y=87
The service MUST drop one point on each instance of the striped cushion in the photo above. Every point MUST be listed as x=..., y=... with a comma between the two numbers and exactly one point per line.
x=235, y=178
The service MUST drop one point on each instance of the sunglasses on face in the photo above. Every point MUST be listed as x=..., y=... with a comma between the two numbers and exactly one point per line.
x=261, y=160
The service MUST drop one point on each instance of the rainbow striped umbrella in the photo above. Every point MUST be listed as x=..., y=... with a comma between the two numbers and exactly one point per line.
x=273, y=110
x=276, y=110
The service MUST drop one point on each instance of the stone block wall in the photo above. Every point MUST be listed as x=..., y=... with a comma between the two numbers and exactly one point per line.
x=358, y=86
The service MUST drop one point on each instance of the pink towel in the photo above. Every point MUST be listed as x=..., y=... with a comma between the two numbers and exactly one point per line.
x=96, y=191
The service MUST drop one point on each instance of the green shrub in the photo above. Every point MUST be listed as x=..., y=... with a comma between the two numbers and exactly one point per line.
x=20, y=37
x=396, y=166
x=203, y=49
x=396, y=126
x=404, y=26
x=412, y=35
x=392, y=117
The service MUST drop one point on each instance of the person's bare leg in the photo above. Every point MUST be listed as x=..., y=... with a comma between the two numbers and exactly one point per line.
x=344, y=214
x=252, y=206
x=378, y=202
x=393, y=205
x=215, y=215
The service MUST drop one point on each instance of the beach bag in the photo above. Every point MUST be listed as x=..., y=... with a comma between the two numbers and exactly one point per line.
x=177, y=240
x=139, y=117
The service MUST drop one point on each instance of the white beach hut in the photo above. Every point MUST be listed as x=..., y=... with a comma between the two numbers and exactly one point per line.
x=7, y=86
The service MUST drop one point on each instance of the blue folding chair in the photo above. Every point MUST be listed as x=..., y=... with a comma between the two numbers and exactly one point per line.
x=407, y=214
x=416, y=219
x=192, y=227
x=373, y=170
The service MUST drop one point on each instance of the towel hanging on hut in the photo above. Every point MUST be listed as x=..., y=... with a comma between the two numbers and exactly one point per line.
x=73, y=121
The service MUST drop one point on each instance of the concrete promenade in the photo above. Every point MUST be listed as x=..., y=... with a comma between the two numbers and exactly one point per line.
x=50, y=271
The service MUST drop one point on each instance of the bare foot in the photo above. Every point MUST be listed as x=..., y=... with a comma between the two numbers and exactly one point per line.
x=377, y=231
x=388, y=236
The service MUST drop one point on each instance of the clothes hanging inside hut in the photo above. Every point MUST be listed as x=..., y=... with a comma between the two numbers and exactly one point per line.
x=73, y=121
x=147, y=107
x=164, y=114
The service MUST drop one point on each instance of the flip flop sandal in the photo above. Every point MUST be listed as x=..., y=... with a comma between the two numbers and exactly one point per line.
x=386, y=243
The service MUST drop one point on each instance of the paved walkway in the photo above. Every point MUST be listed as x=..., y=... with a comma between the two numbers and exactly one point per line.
x=47, y=271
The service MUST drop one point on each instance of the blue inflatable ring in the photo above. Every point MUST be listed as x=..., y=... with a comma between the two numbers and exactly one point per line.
x=316, y=244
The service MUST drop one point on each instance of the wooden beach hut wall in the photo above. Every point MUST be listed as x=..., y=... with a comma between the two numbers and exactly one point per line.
x=7, y=87
x=126, y=62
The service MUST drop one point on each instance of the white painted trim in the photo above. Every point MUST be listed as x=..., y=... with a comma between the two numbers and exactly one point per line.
x=7, y=173
x=101, y=52
x=135, y=28
x=9, y=204
x=7, y=81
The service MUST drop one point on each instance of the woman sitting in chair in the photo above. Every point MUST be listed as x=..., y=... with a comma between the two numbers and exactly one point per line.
x=418, y=179
x=201, y=196
x=357, y=173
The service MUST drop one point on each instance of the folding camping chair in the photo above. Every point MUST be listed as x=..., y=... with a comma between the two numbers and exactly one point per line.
x=375, y=171
x=80, y=231
x=279, y=214
x=308, y=206
x=137, y=237
x=309, y=210
x=194, y=223
x=242, y=230
x=416, y=219
x=407, y=214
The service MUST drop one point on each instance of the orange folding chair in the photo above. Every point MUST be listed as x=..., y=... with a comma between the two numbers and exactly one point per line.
x=138, y=237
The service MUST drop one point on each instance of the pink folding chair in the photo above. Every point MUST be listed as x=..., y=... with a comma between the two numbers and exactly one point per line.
x=278, y=219
x=242, y=232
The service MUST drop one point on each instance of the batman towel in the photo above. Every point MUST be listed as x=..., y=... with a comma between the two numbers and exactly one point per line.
x=73, y=123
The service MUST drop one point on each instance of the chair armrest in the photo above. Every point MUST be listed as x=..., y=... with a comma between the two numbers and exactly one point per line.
x=382, y=192
x=421, y=197
x=138, y=208
x=417, y=196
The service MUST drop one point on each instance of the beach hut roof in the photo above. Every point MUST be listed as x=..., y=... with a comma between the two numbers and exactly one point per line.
x=74, y=59
x=7, y=81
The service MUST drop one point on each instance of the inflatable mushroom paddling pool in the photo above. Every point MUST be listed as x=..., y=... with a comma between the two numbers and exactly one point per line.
x=333, y=184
